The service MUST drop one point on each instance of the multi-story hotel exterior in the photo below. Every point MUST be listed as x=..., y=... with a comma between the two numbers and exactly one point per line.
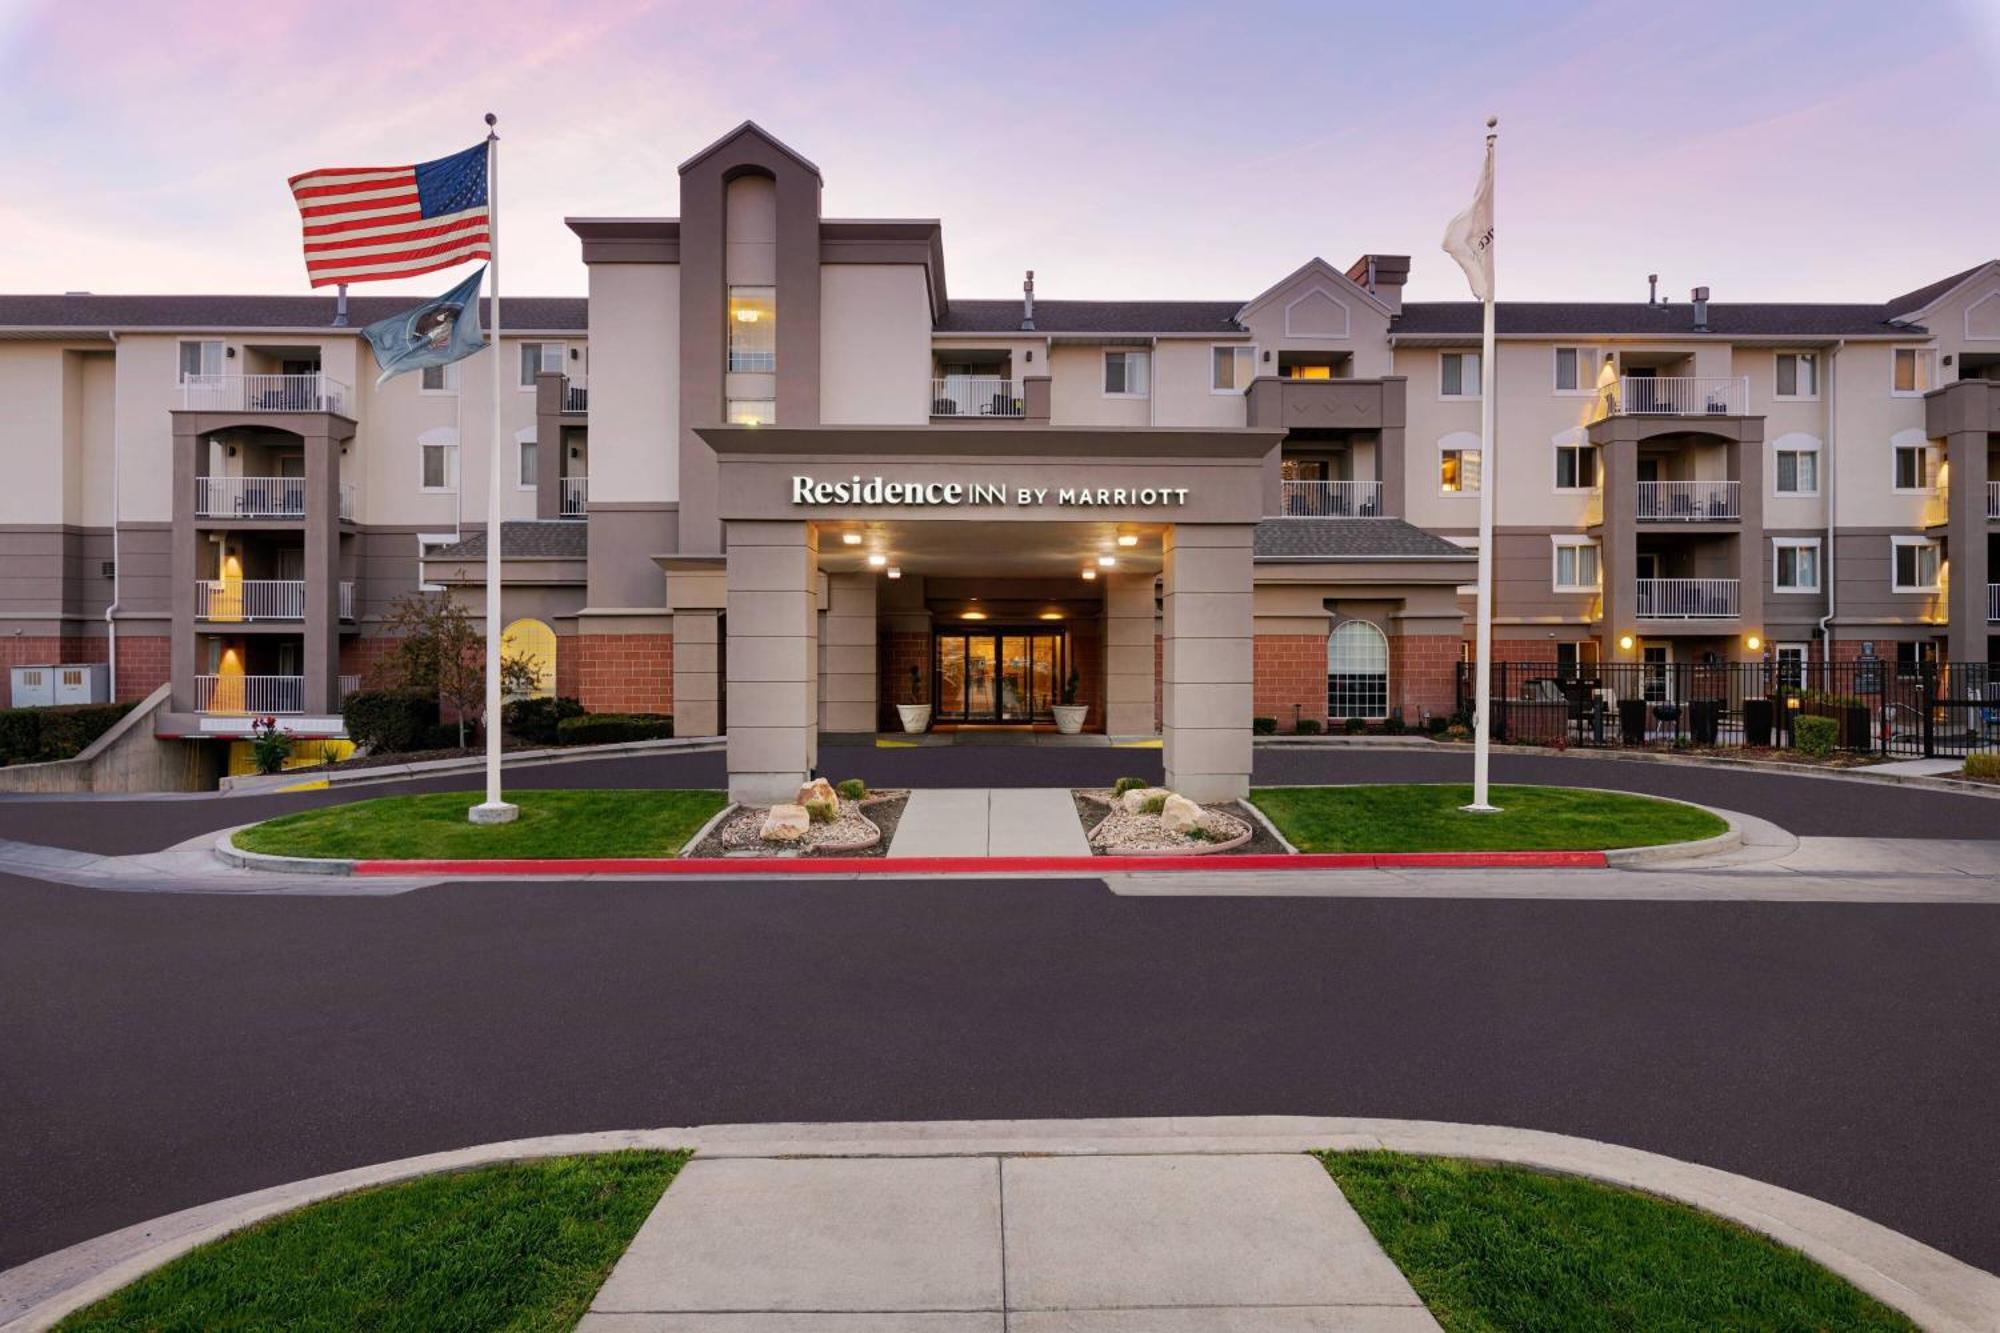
x=795, y=483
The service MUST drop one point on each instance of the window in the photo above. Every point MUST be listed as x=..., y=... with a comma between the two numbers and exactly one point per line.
x=1315, y=371
x=1795, y=564
x=1458, y=375
x=1791, y=660
x=1576, y=370
x=1576, y=658
x=1798, y=375
x=440, y=379
x=1231, y=369
x=439, y=449
x=530, y=645
x=1357, y=671
x=1459, y=464
x=1576, y=462
x=530, y=466
x=200, y=360
x=1916, y=461
x=753, y=411
x=1915, y=371
x=753, y=329
x=1795, y=464
x=1576, y=564
x=540, y=359
x=1916, y=564
x=1913, y=655
x=1126, y=374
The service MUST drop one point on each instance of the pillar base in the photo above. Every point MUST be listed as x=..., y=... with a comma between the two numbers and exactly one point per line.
x=765, y=789
x=493, y=812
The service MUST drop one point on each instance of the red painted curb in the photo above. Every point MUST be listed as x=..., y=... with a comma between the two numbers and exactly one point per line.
x=905, y=867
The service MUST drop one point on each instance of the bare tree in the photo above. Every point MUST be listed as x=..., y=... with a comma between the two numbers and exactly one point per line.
x=439, y=650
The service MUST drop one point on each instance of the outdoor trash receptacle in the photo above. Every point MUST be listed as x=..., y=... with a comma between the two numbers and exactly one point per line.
x=1704, y=720
x=1757, y=714
x=1632, y=721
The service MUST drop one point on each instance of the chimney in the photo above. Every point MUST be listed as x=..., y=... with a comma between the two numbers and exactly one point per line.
x=1028, y=301
x=1652, y=289
x=1384, y=276
x=1700, y=298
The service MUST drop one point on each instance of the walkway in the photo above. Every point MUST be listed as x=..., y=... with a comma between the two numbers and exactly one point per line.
x=989, y=821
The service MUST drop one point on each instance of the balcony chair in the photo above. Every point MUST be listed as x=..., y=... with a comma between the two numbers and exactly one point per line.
x=944, y=407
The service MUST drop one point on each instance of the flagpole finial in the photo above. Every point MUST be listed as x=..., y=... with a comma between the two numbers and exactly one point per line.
x=492, y=126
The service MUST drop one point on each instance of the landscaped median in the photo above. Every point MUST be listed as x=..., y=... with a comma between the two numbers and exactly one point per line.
x=552, y=826
x=1426, y=817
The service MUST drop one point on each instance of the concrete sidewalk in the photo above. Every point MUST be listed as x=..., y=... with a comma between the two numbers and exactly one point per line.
x=1259, y=1243
x=989, y=821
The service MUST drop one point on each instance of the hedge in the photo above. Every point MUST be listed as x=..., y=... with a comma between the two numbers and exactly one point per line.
x=534, y=721
x=39, y=735
x=612, y=728
x=1815, y=735
x=392, y=721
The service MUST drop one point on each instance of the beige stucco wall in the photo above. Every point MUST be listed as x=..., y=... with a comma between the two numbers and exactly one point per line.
x=1181, y=393
x=31, y=432
x=1864, y=462
x=1301, y=314
x=635, y=390
x=875, y=339
x=1076, y=390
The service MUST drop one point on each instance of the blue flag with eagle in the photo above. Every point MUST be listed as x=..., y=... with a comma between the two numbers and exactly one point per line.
x=436, y=333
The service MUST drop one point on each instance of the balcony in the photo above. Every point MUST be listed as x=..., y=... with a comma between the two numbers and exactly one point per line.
x=1993, y=603
x=1688, y=599
x=237, y=601
x=1993, y=499
x=1675, y=396
x=575, y=397
x=265, y=393
x=250, y=497
x=1331, y=499
x=251, y=696
x=346, y=600
x=1688, y=501
x=575, y=494
x=976, y=396
x=347, y=503
x=349, y=685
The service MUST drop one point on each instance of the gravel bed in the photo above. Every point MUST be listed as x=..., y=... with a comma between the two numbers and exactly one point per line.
x=876, y=813
x=1111, y=831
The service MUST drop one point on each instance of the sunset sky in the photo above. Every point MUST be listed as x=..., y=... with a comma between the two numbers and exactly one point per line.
x=1775, y=151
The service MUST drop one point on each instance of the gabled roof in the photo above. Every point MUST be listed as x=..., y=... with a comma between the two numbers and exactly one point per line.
x=1923, y=298
x=750, y=127
x=1318, y=267
x=88, y=313
x=1350, y=539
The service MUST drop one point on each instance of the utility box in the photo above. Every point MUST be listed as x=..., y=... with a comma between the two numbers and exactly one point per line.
x=47, y=686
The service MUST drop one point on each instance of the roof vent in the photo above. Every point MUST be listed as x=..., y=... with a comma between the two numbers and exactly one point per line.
x=1700, y=298
x=1028, y=301
x=76, y=293
x=1652, y=289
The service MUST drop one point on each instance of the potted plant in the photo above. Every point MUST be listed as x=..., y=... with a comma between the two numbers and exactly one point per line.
x=916, y=714
x=1069, y=713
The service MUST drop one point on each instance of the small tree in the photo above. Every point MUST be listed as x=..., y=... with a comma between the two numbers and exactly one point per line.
x=439, y=650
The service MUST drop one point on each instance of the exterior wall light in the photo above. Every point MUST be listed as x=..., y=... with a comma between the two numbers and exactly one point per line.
x=1625, y=643
x=1753, y=643
x=972, y=615
x=1050, y=615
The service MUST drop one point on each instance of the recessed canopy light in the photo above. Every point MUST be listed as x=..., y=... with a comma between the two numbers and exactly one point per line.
x=1051, y=615
x=746, y=316
x=895, y=572
x=850, y=539
x=1107, y=561
x=876, y=560
x=1128, y=539
x=972, y=615
x=1089, y=574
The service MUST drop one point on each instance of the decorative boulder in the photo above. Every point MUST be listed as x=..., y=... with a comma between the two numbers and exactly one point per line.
x=1134, y=802
x=1180, y=815
x=785, y=823
x=819, y=789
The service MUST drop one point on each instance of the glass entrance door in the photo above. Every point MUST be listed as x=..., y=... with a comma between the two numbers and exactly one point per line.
x=997, y=675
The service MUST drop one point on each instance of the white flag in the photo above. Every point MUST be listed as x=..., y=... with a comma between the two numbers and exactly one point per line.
x=1469, y=238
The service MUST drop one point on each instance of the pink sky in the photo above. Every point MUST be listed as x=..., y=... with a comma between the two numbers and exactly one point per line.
x=1777, y=151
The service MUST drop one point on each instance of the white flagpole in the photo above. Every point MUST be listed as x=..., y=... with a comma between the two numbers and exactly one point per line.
x=494, y=810
x=1482, y=734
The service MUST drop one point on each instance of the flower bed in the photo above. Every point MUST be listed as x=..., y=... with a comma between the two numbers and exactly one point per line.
x=1122, y=825
x=861, y=827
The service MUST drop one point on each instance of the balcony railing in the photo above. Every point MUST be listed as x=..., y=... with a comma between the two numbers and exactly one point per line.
x=975, y=396
x=252, y=696
x=265, y=393
x=346, y=600
x=1993, y=499
x=1688, y=599
x=1993, y=603
x=1688, y=501
x=346, y=501
x=250, y=497
x=1332, y=499
x=575, y=492
x=350, y=685
x=233, y=600
x=1676, y=396
x=576, y=398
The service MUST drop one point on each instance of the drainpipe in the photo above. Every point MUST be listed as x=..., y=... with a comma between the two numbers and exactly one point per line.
x=117, y=565
x=1826, y=560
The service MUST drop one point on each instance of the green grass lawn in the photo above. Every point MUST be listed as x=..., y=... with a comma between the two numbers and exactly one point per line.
x=1426, y=818
x=556, y=824
x=1496, y=1247
x=518, y=1247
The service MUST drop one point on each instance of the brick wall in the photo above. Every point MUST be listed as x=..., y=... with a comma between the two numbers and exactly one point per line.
x=144, y=663
x=622, y=673
x=1423, y=675
x=364, y=657
x=1086, y=654
x=1289, y=674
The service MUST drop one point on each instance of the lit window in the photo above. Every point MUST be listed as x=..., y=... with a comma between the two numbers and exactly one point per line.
x=753, y=411
x=1795, y=564
x=1232, y=368
x=540, y=359
x=1312, y=372
x=753, y=329
x=1917, y=564
x=1798, y=375
x=1459, y=464
x=1126, y=374
x=1576, y=565
x=1458, y=375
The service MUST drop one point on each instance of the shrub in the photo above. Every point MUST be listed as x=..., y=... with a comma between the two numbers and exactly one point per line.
x=1155, y=803
x=1123, y=785
x=613, y=728
x=1393, y=726
x=1985, y=767
x=1815, y=736
x=271, y=748
x=852, y=789
x=449, y=736
x=534, y=721
x=1308, y=726
x=1354, y=726
x=39, y=735
x=822, y=812
x=392, y=721
x=1264, y=726
x=1436, y=726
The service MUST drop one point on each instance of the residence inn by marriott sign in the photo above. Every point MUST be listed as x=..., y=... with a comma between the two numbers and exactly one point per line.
x=878, y=491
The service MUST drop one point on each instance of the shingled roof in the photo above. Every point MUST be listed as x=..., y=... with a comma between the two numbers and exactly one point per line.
x=541, y=314
x=538, y=539
x=1087, y=317
x=1348, y=539
x=1637, y=318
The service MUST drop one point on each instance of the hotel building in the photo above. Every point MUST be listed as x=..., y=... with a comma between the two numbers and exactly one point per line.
x=772, y=477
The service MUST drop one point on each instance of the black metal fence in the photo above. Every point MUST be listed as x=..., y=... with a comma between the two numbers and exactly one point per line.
x=1907, y=709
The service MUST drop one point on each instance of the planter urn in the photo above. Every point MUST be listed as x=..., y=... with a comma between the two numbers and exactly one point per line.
x=916, y=717
x=1069, y=718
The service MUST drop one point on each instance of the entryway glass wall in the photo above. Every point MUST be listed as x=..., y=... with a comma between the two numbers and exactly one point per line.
x=998, y=675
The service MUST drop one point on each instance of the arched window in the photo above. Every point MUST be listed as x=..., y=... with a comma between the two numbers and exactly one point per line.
x=1357, y=671
x=533, y=643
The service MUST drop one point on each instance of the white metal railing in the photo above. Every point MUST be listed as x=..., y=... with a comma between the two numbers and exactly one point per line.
x=1688, y=501
x=350, y=685
x=1993, y=603
x=250, y=599
x=346, y=501
x=346, y=600
x=264, y=393
x=575, y=491
x=1688, y=599
x=1678, y=396
x=1332, y=499
x=576, y=398
x=1993, y=499
x=249, y=695
x=975, y=396
x=250, y=497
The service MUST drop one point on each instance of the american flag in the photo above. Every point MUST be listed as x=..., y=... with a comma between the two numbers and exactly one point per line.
x=370, y=224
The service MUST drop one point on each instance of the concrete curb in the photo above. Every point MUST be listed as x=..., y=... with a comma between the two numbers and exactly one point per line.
x=227, y=852
x=265, y=783
x=1614, y=754
x=1726, y=841
x=708, y=828
x=1941, y=1293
